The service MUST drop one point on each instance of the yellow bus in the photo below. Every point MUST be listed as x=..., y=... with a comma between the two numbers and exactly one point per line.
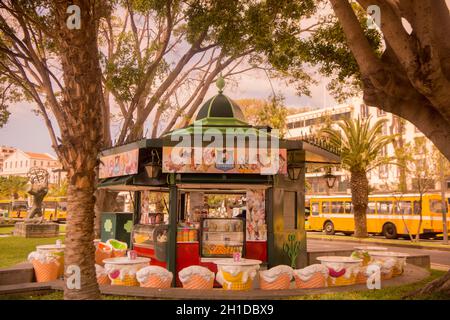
x=55, y=208
x=13, y=209
x=389, y=215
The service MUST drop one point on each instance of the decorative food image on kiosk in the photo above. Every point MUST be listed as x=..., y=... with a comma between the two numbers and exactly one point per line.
x=256, y=215
x=120, y=164
x=224, y=160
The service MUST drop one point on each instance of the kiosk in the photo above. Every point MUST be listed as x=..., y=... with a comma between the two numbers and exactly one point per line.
x=214, y=188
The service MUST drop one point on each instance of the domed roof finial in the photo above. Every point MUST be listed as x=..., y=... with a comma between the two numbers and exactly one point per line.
x=220, y=83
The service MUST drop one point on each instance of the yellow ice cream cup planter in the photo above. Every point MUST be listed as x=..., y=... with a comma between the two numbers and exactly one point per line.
x=342, y=271
x=399, y=257
x=237, y=275
x=122, y=270
x=56, y=250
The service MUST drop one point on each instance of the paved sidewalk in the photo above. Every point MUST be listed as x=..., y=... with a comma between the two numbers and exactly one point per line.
x=377, y=241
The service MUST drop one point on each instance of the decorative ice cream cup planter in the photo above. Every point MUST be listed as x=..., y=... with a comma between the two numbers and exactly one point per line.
x=342, y=271
x=196, y=277
x=122, y=270
x=399, y=257
x=119, y=248
x=237, y=275
x=276, y=278
x=56, y=250
x=362, y=252
x=313, y=276
x=46, y=265
x=102, y=251
x=154, y=277
x=102, y=275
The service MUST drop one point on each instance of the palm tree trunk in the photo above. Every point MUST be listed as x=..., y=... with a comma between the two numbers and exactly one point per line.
x=360, y=198
x=79, y=241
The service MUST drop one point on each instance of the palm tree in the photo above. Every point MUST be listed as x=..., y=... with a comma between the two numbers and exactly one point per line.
x=13, y=187
x=361, y=148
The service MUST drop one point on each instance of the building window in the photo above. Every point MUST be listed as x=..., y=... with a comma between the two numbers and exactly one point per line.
x=383, y=171
x=15, y=164
x=364, y=110
x=34, y=162
x=42, y=163
x=21, y=163
x=26, y=163
x=380, y=112
x=448, y=184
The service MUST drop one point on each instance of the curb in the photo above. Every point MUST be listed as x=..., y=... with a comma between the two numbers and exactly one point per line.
x=411, y=275
x=413, y=246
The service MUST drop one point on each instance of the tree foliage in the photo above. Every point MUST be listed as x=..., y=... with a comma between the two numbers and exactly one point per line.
x=360, y=143
x=271, y=112
x=13, y=187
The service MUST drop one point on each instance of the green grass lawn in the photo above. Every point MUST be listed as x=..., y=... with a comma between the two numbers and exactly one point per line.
x=392, y=293
x=16, y=249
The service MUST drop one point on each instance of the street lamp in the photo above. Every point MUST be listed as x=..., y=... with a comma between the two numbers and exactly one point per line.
x=153, y=167
x=294, y=172
x=330, y=178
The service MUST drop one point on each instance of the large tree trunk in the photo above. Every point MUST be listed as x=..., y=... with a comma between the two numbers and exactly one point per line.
x=411, y=79
x=441, y=285
x=81, y=140
x=79, y=241
x=360, y=198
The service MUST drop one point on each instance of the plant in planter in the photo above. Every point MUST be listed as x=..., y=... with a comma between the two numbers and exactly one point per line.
x=292, y=249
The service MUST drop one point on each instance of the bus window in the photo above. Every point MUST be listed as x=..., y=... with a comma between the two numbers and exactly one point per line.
x=384, y=207
x=416, y=207
x=325, y=207
x=403, y=207
x=315, y=208
x=337, y=207
x=371, y=207
x=435, y=206
x=348, y=207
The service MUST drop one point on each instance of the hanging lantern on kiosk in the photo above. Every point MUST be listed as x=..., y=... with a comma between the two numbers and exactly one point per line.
x=153, y=168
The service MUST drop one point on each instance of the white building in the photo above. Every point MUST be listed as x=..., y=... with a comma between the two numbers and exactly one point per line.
x=20, y=162
x=5, y=151
x=308, y=123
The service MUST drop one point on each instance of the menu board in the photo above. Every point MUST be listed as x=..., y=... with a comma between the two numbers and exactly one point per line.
x=119, y=164
x=215, y=160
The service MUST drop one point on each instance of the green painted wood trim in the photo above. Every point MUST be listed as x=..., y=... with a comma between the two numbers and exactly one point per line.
x=172, y=241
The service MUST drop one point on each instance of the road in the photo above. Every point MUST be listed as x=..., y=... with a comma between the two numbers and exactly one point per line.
x=439, y=259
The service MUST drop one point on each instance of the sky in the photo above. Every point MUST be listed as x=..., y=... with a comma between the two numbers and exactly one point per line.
x=26, y=130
